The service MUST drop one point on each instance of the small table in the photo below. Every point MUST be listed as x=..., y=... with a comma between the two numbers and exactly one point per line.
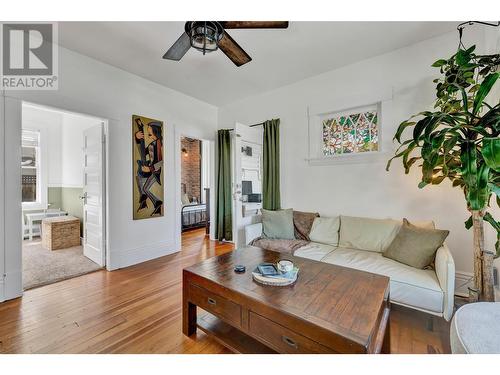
x=39, y=216
x=330, y=309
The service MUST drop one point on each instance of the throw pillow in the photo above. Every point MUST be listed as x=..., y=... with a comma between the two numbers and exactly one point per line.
x=325, y=230
x=278, y=224
x=364, y=233
x=302, y=222
x=415, y=246
x=185, y=199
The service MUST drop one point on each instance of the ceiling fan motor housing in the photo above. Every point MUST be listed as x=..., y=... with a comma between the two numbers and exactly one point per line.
x=204, y=35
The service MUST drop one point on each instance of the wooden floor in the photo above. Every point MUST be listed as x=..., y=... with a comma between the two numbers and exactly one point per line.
x=138, y=310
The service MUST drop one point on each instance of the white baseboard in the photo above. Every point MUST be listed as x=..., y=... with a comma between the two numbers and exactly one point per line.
x=129, y=257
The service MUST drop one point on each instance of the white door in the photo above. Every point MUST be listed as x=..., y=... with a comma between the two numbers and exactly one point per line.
x=247, y=175
x=94, y=194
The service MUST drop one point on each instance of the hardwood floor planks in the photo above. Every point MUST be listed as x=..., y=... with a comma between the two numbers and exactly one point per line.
x=138, y=310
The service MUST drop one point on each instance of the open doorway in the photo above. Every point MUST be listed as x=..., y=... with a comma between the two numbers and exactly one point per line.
x=195, y=184
x=247, y=179
x=63, y=194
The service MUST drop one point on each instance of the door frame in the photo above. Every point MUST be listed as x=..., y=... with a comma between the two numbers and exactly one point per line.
x=236, y=141
x=11, y=285
x=178, y=169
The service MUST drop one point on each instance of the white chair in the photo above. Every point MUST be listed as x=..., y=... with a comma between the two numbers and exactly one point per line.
x=24, y=228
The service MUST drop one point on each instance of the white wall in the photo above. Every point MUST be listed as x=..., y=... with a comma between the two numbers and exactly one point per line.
x=91, y=87
x=364, y=189
x=62, y=134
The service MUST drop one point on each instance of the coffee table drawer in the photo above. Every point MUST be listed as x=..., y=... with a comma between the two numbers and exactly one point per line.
x=215, y=304
x=282, y=339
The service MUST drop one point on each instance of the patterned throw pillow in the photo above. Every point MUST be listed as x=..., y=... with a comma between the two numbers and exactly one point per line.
x=302, y=222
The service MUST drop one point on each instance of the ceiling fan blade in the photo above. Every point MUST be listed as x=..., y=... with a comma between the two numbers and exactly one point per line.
x=232, y=50
x=179, y=48
x=254, y=24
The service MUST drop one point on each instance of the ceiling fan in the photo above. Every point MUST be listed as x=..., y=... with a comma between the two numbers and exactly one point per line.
x=208, y=36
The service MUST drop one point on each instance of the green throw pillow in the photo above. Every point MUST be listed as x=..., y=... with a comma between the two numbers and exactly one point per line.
x=415, y=246
x=278, y=224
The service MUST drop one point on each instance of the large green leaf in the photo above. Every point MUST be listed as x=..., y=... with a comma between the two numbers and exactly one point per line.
x=476, y=180
x=491, y=120
x=439, y=63
x=495, y=189
x=483, y=190
x=420, y=127
x=483, y=91
x=468, y=156
x=491, y=152
x=401, y=128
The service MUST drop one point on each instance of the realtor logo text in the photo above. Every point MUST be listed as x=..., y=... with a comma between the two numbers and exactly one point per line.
x=29, y=56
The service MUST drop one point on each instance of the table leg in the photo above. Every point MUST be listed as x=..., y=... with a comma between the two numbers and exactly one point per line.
x=386, y=345
x=189, y=317
x=30, y=229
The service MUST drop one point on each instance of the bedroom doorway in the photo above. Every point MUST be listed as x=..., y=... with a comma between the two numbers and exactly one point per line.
x=195, y=184
x=63, y=194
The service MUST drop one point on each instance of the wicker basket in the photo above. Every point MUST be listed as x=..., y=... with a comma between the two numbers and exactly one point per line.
x=60, y=232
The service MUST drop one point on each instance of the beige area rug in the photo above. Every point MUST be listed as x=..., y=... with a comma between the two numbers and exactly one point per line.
x=42, y=266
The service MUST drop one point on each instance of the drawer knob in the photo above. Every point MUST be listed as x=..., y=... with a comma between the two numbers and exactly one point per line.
x=289, y=342
x=211, y=301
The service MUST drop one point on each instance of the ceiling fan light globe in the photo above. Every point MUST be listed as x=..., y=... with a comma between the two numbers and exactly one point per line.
x=204, y=35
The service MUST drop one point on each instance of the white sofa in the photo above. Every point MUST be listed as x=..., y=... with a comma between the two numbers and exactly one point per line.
x=360, y=243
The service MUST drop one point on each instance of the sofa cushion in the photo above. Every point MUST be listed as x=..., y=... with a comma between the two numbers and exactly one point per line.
x=367, y=234
x=314, y=251
x=278, y=224
x=325, y=230
x=371, y=234
x=409, y=286
x=302, y=222
x=415, y=246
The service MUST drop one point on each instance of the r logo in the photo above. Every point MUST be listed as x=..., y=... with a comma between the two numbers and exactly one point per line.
x=27, y=49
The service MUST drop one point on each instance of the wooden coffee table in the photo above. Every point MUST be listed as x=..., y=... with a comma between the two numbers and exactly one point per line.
x=330, y=309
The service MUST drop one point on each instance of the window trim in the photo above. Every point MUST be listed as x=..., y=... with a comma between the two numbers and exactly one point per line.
x=315, y=134
x=42, y=175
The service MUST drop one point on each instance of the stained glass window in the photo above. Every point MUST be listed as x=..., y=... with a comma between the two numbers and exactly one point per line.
x=352, y=132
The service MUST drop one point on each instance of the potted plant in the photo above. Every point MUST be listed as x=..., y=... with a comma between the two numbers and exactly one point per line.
x=459, y=140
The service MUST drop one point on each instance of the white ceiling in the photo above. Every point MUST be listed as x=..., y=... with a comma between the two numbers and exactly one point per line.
x=280, y=57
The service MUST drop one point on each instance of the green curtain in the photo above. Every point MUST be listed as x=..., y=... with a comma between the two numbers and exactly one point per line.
x=224, y=217
x=271, y=199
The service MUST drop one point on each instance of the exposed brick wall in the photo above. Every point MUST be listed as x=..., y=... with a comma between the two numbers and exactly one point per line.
x=191, y=167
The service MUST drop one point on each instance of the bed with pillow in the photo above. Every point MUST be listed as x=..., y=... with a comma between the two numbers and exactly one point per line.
x=412, y=254
x=193, y=214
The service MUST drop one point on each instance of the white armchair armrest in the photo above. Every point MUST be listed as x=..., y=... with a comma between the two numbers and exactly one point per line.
x=445, y=271
x=252, y=232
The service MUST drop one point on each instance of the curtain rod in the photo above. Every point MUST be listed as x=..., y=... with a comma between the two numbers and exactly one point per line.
x=250, y=126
